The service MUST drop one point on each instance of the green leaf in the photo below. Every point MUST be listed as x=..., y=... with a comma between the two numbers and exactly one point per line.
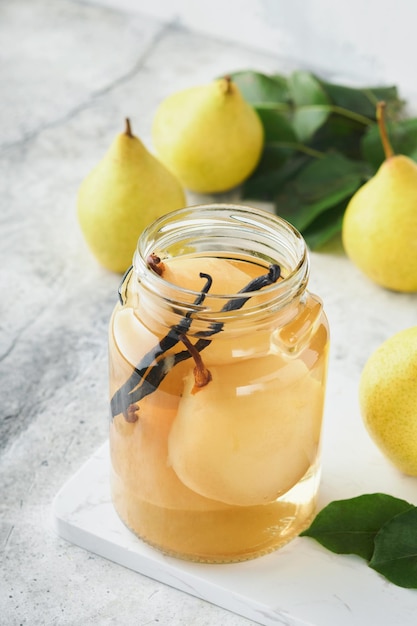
x=363, y=100
x=311, y=104
x=390, y=96
x=395, y=554
x=325, y=227
x=305, y=118
x=350, y=526
x=321, y=185
x=276, y=125
x=308, y=119
x=342, y=134
x=350, y=98
x=274, y=170
x=306, y=90
x=403, y=138
x=259, y=88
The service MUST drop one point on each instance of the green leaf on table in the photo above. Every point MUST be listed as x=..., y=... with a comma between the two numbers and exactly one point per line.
x=403, y=138
x=340, y=133
x=257, y=87
x=311, y=104
x=395, y=554
x=305, y=89
x=278, y=165
x=390, y=96
x=362, y=101
x=350, y=526
x=322, y=184
x=325, y=227
x=276, y=125
x=274, y=156
x=307, y=119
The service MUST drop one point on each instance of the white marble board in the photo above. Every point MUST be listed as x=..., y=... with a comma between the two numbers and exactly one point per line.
x=301, y=584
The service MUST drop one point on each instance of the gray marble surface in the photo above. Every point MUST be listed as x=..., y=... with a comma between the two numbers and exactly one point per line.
x=70, y=73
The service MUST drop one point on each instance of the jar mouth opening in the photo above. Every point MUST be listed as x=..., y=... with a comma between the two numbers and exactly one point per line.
x=224, y=230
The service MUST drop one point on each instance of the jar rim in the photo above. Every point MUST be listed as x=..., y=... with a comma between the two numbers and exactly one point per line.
x=278, y=237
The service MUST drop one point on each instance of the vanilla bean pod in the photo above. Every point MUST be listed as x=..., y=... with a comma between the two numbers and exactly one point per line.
x=139, y=380
x=274, y=272
x=146, y=378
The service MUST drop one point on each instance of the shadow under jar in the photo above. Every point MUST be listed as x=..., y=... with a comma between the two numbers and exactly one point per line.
x=218, y=356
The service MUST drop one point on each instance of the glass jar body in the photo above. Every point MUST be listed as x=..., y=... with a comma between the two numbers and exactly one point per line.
x=228, y=469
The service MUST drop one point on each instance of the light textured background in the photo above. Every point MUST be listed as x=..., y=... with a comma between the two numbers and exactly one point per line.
x=361, y=40
x=70, y=71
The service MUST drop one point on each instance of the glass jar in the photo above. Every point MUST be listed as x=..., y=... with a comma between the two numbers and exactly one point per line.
x=218, y=358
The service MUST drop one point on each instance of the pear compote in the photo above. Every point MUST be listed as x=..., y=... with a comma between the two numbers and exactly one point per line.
x=218, y=359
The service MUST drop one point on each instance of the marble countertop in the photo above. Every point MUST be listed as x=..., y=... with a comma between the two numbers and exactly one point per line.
x=70, y=73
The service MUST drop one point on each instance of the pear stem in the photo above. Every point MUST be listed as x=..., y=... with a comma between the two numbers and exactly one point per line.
x=202, y=375
x=380, y=117
x=155, y=264
x=128, y=128
x=228, y=84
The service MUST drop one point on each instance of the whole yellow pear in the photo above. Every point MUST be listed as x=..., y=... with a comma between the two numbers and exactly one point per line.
x=388, y=399
x=126, y=191
x=379, y=230
x=209, y=136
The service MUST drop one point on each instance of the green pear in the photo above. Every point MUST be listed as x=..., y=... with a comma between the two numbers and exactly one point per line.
x=379, y=230
x=126, y=191
x=209, y=136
